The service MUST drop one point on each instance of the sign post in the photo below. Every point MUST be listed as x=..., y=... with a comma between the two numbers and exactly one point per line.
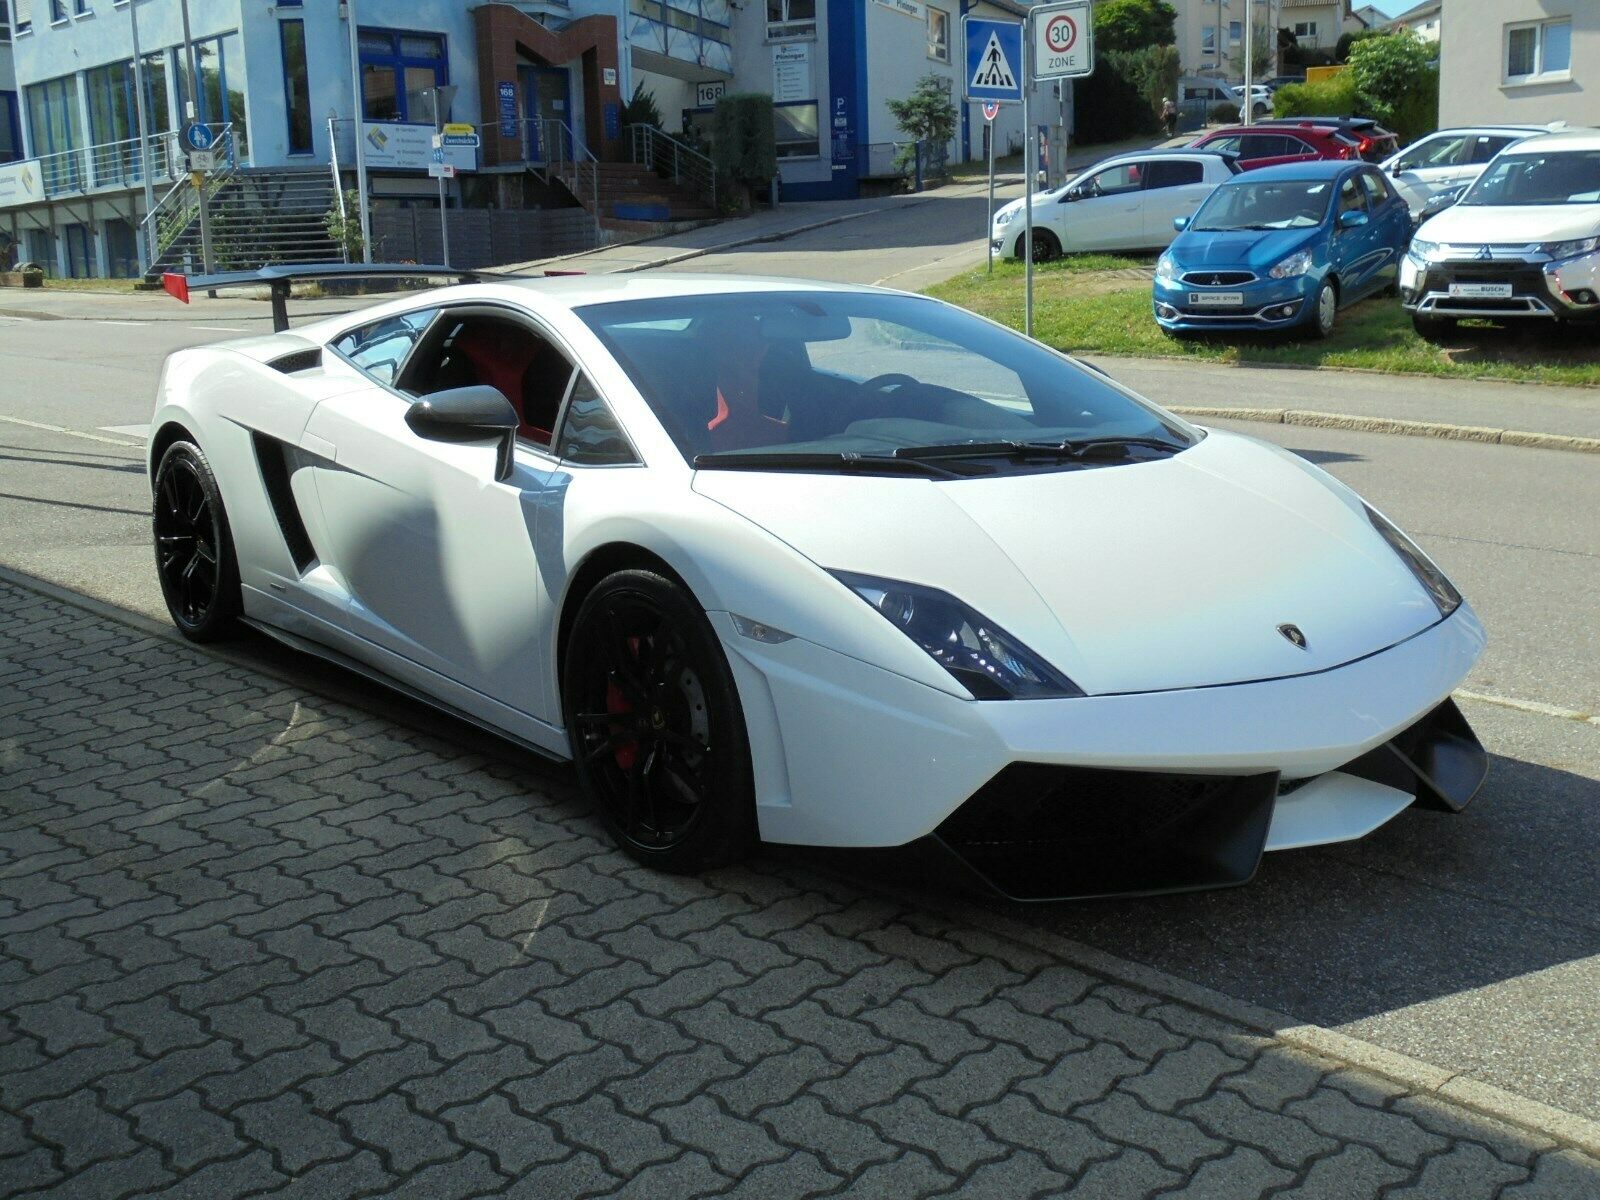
x=994, y=76
x=442, y=97
x=1060, y=41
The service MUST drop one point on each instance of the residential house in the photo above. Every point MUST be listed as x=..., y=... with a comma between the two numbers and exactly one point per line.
x=1319, y=24
x=1423, y=20
x=1210, y=34
x=1531, y=62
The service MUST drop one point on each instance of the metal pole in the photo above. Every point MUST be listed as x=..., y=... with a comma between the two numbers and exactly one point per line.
x=355, y=125
x=148, y=250
x=988, y=229
x=444, y=223
x=1247, y=109
x=197, y=179
x=1029, y=159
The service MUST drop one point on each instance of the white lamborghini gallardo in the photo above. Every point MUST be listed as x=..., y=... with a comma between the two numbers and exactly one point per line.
x=839, y=566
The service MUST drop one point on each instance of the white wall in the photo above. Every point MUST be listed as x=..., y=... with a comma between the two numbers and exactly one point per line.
x=1472, y=84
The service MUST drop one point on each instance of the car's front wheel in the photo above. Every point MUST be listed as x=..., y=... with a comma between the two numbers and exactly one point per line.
x=1326, y=311
x=194, y=549
x=1046, y=246
x=657, y=734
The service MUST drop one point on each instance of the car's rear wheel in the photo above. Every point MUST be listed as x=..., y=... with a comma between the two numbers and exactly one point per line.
x=1046, y=246
x=195, y=560
x=1433, y=329
x=657, y=734
x=1326, y=312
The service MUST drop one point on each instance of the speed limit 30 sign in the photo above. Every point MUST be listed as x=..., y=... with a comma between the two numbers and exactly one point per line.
x=1062, y=40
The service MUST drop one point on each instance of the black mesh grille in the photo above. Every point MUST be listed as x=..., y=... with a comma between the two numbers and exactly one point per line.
x=1218, y=278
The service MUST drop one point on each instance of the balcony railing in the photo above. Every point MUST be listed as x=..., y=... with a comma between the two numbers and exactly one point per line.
x=111, y=165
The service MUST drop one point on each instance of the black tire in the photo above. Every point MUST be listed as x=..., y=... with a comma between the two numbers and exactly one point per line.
x=1046, y=246
x=658, y=736
x=1433, y=329
x=195, y=560
x=1325, y=312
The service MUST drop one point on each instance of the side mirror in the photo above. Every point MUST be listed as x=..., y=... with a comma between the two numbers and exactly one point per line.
x=1071, y=195
x=1180, y=223
x=468, y=414
x=1352, y=220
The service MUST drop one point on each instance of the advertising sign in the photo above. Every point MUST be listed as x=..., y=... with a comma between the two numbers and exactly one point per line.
x=506, y=92
x=410, y=148
x=21, y=183
x=791, y=72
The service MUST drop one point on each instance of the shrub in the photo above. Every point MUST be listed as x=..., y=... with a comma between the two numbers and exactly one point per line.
x=32, y=274
x=1391, y=73
x=743, y=143
x=927, y=114
x=1334, y=97
x=642, y=109
x=344, y=230
x=1223, y=114
x=1122, y=99
x=1131, y=25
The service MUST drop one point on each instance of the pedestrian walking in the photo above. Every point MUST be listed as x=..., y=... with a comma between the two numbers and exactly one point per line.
x=1169, y=116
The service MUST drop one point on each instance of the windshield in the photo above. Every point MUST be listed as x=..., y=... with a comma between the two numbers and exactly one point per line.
x=855, y=374
x=1274, y=204
x=1559, y=177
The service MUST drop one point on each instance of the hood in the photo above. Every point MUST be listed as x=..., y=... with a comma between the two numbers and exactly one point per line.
x=1512, y=225
x=1257, y=249
x=1135, y=578
x=1040, y=199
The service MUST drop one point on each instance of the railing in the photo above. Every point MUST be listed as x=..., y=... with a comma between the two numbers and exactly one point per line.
x=914, y=162
x=672, y=159
x=551, y=149
x=179, y=207
x=110, y=165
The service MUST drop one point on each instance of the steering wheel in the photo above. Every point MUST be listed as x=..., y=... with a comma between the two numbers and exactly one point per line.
x=880, y=383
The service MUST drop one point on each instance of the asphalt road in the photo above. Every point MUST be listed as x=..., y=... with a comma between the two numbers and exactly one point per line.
x=1471, y=941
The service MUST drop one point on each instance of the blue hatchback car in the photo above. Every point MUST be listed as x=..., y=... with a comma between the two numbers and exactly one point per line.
x=1283, y=248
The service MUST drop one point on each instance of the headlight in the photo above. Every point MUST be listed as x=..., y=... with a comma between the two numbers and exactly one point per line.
x=1296, y=264
x=1443, y=592
x=1421, y=250
x=1005, y=217
x=982, y=657
x=1166, y=269
x=1571, y=249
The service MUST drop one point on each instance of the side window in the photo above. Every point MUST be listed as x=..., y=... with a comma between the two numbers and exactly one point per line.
x=1351, y=197
x=1227, y=145
x=1435, y=152
x=1114, y=181
x=1162, y=174
x=1293, y=145
x=1377, y=190
x=380, y=348
x=1260, y=145
x=498, y=350
x=590, y=435
x=1485, y=148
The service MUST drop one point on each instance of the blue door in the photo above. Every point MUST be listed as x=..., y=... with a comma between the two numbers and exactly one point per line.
x=1357, y=252
x=547, y=107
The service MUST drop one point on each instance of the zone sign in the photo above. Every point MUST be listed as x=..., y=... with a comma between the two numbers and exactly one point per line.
x=1063, y=40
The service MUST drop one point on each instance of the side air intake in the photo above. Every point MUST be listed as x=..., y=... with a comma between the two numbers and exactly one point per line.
x=271, y=456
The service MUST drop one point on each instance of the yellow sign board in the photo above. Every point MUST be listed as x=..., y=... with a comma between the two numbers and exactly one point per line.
x=1321, y=74
x=457, y=129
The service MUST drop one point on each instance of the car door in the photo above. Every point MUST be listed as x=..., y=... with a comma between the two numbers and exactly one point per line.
x=1105, y=211
x=1432, y=165
x=1355, y=254
x=1173, y=187
x=1391, y=224
x=1269, y=150
x=437, y=556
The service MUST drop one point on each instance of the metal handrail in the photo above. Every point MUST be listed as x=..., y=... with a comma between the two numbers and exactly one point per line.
x=164, y=224
x=550, y=143
x=651, y=147
x=107, y=165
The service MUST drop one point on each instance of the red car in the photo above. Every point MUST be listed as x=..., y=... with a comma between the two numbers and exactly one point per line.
x=1268, y=144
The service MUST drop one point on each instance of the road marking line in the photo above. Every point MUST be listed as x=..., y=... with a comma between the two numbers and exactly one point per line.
x=140, y=432
x=219, y=328
x=102, y=321
x=1538, y=708
x=77, y=433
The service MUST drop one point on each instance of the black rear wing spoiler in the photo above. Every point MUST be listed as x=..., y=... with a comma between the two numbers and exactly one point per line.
x=280, y=278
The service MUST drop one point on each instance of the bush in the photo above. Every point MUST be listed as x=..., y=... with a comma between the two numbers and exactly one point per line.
x=642, y=109
x=1223, y=114
x=1132, y=25
x=32, y=274
x=1347, y=41
x=1417, y=114
x=1334, y=97
x=744, y=146
x=1391, y=75
x=1122, y=99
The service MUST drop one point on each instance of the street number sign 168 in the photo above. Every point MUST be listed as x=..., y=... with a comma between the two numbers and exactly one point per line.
x=1063, y=40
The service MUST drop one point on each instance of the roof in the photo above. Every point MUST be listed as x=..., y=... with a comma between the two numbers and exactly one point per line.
x=1014, y=7
x=1544, y=143
x=1429, y=8
x=1344, y=5
x=1322, y=168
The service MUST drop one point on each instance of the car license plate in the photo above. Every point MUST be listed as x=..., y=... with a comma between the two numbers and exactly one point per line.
x=1217, y=299
x=1481, y=291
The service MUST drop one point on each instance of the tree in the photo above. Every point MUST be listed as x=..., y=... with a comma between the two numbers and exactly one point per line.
x=927, y=113
x=1134, y=24
x=1390, y=72
x=1260, y=54
x=642, y=109
x=344, y=227
x=744, y=144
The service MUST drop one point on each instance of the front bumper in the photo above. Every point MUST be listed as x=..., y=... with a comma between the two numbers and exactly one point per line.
x=846, y=754
x=1540, y=290
x=1264, y=304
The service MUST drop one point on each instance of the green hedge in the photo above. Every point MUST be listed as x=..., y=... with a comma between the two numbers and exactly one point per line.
x=1120, y=100
x=1334, y=97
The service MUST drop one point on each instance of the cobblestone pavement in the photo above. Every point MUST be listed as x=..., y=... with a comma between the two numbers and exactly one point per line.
x=257, y=943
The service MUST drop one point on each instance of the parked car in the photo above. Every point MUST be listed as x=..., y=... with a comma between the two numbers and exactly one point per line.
x=1373, y=142
x=1283, y=248
x=1261, y=104
x=1127, y=202
x=1262, y=145
x=1523, y=243
x=1450, y=158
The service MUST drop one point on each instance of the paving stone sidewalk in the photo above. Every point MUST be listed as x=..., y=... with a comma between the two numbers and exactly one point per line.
x=257, y=943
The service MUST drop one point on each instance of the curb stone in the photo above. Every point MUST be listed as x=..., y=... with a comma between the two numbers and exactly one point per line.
x=1433, y=429
x=1463, y=1091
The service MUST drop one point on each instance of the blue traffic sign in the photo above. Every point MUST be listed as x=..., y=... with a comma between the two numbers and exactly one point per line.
x=197, y=136
x=994, y=59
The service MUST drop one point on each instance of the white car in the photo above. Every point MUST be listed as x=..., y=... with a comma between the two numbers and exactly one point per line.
x=1450, y=158
x=1261, y=103
x=1123, y=203
x=817, y=564
x=1523, y=243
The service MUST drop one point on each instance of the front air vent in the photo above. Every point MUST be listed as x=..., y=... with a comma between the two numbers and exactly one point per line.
x=297, y=360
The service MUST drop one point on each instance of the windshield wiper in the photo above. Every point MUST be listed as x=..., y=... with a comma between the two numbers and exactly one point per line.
x=1069, y=449
x=848, y=460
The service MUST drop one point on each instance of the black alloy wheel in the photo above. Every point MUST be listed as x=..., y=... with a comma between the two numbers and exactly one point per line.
x=1046, y=246
x=657, y=735
x=195, y=561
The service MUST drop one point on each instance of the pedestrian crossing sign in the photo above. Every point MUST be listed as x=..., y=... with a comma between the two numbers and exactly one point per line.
x=994, y=59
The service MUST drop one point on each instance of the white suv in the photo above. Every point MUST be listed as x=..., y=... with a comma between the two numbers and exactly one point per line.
x=1523, y=243
x=1449, y=159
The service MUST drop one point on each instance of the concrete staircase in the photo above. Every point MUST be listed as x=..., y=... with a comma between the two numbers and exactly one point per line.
x=634, y=199
x=257, y=217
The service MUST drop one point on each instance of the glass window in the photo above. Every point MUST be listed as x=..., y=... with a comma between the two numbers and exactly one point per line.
x=938, y=35
x=380, y=99
x=791, y=18
x=1113, y=181
x=834, y=372
x=1377, y=189
x=54, y=121
x=1224, y=145
x=1248, y=204
x=1538, y=49
x=795, y=127
x=1235, y=32
x=397, y=70
x=477, y=348
x=1486, y=148
x=5, y=21
x=1447, y=150
x=1165, y=174
x=296, y=85
x=1569, y=177
x=220, y=65
x=380, y=348
x=590, y=434
x=58, y=10
x=1351, y=197
x=1264, y=145
x=1208, y=39
x=10, y=128
x=1557, y=48
x=1522, y=49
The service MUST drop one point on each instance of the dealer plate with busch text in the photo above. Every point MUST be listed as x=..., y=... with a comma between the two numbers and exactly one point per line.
x=1481, y=291
x=1217, y=299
